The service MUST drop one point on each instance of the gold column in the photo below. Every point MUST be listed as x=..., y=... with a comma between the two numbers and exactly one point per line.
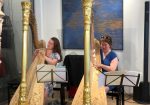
x=87, y=8
x=23, y=87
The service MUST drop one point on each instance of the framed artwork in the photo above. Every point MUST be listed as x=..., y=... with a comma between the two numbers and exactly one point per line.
x=108, y=18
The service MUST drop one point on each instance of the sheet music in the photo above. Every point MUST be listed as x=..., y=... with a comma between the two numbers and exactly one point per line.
x=48, y=73
x=131, y=78
x=115, y=72
x=125, y=78
x=113, y=77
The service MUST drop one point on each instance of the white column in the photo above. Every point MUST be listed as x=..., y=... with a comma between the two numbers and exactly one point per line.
x=39, y=17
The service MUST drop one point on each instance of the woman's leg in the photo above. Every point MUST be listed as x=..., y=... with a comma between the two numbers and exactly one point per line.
x=46, y=95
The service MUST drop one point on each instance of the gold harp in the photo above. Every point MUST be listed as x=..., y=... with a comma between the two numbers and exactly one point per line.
x=88, y=92
x=33, y=25
x=29, y=92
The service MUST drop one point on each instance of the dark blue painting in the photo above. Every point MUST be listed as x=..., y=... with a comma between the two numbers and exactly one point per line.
x=108, y=18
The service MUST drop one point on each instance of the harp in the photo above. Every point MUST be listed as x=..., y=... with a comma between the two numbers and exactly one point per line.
x=89, y=92
x=33, y=25
x=29, y=91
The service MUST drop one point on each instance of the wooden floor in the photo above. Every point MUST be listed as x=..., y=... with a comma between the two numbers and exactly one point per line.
x=127, y=102
x=110, y=101
x=56, y=100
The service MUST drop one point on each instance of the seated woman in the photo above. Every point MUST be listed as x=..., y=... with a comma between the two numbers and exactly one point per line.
x=53, y=52
x=52, y=57
x=109, y=60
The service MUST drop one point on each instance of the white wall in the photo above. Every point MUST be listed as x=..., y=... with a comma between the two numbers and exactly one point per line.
x=51, y=11
x=49, y=18
x=131, y=58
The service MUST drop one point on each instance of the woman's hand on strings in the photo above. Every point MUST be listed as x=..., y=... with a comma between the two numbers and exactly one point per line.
x=48, y=52
x=98, y=66
x=36, y=52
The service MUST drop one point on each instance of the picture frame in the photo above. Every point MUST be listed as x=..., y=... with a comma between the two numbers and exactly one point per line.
x=108, y=19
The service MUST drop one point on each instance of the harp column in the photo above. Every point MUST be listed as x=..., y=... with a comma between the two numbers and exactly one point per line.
x=26, y=6
x=87, y=8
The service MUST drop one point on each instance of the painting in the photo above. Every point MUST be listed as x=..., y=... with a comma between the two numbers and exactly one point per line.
x=108, y=18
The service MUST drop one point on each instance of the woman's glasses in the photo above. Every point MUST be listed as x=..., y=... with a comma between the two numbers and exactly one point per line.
x=105, y=37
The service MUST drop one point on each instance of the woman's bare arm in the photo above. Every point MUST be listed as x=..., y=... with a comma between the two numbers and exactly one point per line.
x=112, y=67
x=51, y=61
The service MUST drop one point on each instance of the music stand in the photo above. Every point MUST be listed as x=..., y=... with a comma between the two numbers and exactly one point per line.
x=122, y=78
x=50, y=73
x=119, y=79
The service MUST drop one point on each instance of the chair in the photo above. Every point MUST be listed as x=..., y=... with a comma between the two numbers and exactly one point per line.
x=118, y=93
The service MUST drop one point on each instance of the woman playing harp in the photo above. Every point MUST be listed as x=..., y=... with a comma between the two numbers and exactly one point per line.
x=109, y=60
x=97, y=95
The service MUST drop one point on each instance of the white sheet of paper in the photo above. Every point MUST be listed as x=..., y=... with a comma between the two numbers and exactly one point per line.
x=133, y=79
x=44, y=73
x=131, y=75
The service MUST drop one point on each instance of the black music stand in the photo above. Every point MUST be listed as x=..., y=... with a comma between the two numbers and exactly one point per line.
x=50, y=73
x=121, y=79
